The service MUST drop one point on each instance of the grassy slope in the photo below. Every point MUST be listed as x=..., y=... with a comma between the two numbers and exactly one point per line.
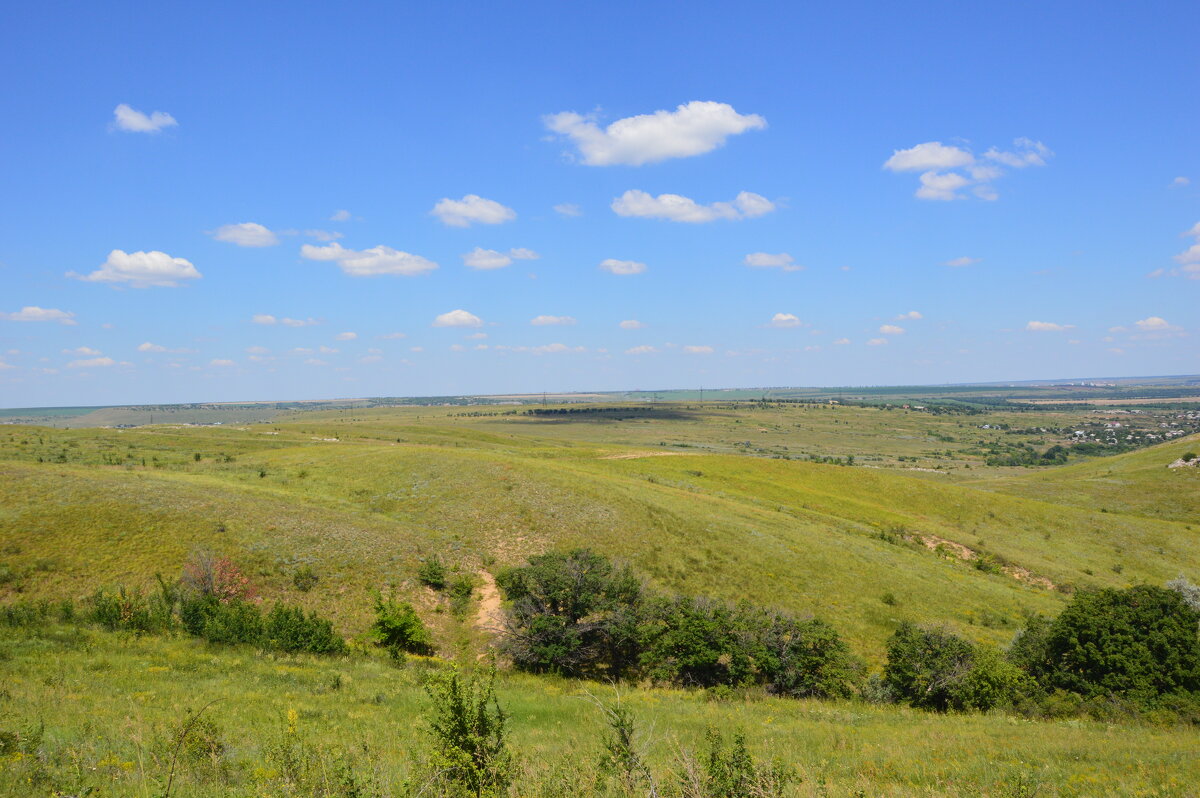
x=1138, y=483
x=111, y=705
x=796, y=535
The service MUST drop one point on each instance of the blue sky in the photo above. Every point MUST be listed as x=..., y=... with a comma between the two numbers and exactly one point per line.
x=278, y=201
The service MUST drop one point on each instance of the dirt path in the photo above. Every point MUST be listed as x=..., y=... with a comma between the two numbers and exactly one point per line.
x=488, y=618
x=639, y=455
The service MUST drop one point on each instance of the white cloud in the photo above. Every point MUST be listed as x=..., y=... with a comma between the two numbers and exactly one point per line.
x=911, y=315
x=472, y=209
x=34, y=313
x=393, y=336
x=257, y=350
x=312, y=361
x=327, y=350
x=1189, y=259
x=877, y=342
x=963, y=261
x=676, y=208
x=615, y=266
x=263, y=318
x=930, y=155
x=692, y=129
x=142, y=269
x=841, y=341
x=220, y=362
x=95, y=362
x=1181, y=182
x=245, y=234
x=1153, y=323
x=785, y=320
x=369, y=359
x=1047, y=326
x=458, y=318
x=133, y=121
x=631, y=324
x=86, y=351
x=268, y=319
x=1156, y=327
x=4, y=365
x=938, y=163
x=935, y=186
x=480, y=258
x=568, y=209
x=323, y=235
x=149, y=347
x=891, y=329
x=698, y=350
x=545, y=321
x=345, y=336
x=641, y=350
x=340, y=216
x=369, y=262
x=766, y=260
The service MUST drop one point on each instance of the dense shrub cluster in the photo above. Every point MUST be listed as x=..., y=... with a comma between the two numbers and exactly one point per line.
x=1109, y=652
x=578, y=614
x=398, y=628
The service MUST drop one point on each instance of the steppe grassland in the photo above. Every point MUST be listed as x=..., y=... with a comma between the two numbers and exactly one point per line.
x=112, y=705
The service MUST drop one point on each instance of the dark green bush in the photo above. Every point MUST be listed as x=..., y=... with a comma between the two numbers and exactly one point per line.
x=397, y=627
x=469, y=731
x=574, y=613
x=289, y=629
x=935, y=669
x=697, y=642
x=305, y=579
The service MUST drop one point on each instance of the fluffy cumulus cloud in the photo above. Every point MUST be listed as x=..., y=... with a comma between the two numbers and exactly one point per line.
x=369, y=262
x=958, y=263
x=691, y=129
x=614, y=266
x=549, y=321
x=458, y=318
x=345, y=336
x=1153, y=328
x=472, y=209
x=268, y=319
x=141, y=269
x=698, y=350
x=246, y=234
x=480, y=258
x=676, y=208
x=912, y=315
x=947, y=172
x=783, y=320
x=150, y=347
x=1047, y=326
x=841, y=342
x=134, y=121
x=34, y=313
x=891, y=329
x=631, y=324
x=877, y=342
x=765, y=260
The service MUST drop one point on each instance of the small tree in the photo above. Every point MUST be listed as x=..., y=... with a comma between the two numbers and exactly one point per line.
x=469, y=731
x=926, y=667
x=206, y=574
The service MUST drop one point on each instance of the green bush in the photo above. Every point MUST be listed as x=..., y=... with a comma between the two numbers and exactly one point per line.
x=305, y=579
x=932, y=668
x=469, y=731
x=732, y=772
x=574, y=613
x=397, y=627
x=433, y=573
x=460, y=589
x=1139, y=643
x=289, y=629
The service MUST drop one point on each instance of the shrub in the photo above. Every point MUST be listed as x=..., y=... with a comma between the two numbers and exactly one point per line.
x=807, y=659
x=469, y=731
x=927, y=667
x=305, y=579
x=397, y=627
x=1140, y=643
x=573, y=613
x=732, y=772
x=695, y=642
x=289, y=629
x=460, y=589
x=1188, y=457
x=433, y=573
x=1190, y=592
x=209, y=575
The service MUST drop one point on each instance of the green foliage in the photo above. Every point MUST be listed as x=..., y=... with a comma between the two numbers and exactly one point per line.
x=732, y=772
x=935, y=669
x=572, y=613
x=397, y=627
x=696, y=642
x=469, y=730
x=130, y=610
x=1140, y=643
x=289, y=629
x=433, y=573
x=460, y=589
x=305, y=578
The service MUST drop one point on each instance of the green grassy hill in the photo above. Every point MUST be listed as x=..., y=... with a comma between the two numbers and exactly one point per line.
x=361, y=496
